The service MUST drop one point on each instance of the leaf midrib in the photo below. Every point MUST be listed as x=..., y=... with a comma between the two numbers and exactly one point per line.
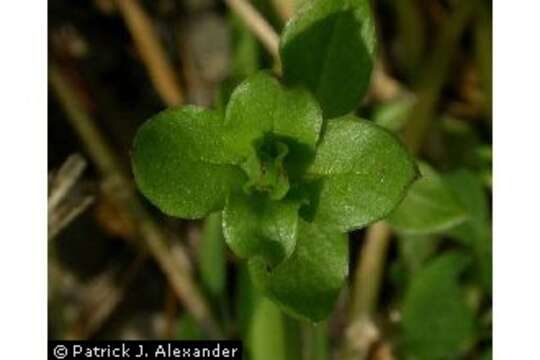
x=326, y=51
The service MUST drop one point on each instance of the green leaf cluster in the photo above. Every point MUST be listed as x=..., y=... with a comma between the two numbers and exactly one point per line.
x=443, y=304
x=291, y=170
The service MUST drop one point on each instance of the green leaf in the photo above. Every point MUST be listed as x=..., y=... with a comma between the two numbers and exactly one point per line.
x=469, y=191
x=329, y=47
x=429, y=207
x=180, y=165
x=254, y=225
x=460, y=139
x=437, y=324
x=415, y=250
x=212, y=255
x=363, y=172
x=476, y=232
x=261, y=106
x=307, y=284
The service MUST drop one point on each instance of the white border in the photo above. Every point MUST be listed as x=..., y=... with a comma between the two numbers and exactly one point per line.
x=23, y=89
x=517, y=180
x=23, y=173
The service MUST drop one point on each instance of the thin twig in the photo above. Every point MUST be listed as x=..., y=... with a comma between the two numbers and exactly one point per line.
x=65, y=178
x=153, y=54
x=170, y=310
x=63, y=208
x=122, y=193
x=103, y=296
x=284, y=8
x=361, y=332
x=257, y=24
x=368, y=273
x=383, y=86
x=65, y=213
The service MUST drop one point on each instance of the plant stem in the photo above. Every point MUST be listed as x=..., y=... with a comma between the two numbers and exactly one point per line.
x=361, y=332
x=284, y=8
x=65, y=179
x=122, y=193
x=257, y=24
x=435, y=75
x=368, y=273
x=62, y=209
x=104, y=296
x=152, y=52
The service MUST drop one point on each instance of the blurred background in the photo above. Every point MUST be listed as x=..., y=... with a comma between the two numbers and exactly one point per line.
x=419, y=284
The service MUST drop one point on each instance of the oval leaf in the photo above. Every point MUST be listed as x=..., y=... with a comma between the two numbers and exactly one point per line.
x=261, y=106
x=436, y=320
x=179, y=163
x=329, y=48
x=476, y=231
x=307, y=284
x=363, y=172
x=429, y=207
x=256, y=225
